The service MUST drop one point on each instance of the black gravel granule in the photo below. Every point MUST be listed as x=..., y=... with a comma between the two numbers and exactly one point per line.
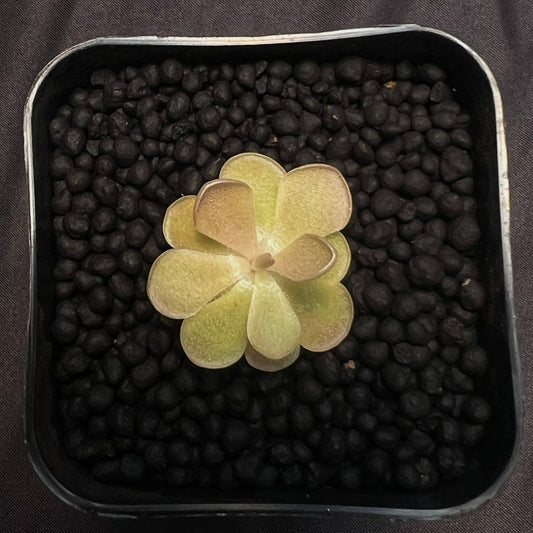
x=401, y=402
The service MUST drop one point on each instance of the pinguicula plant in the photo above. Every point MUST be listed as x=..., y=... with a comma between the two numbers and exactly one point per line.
x=256, y=263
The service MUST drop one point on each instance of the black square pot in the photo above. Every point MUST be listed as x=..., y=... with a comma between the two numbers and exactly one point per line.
x=476, y=89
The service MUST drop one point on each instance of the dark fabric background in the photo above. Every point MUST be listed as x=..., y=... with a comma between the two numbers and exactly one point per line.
x=32, y=33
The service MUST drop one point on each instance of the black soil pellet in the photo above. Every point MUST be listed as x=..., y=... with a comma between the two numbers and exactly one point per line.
x=399, y=403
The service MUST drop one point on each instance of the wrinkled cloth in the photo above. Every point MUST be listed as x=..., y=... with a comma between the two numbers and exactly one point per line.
x=32, y=33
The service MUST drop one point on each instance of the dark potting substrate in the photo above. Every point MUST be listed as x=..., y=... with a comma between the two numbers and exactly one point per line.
x=399, y=403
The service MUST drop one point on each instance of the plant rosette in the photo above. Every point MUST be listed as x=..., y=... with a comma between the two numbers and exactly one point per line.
x=256, y=264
